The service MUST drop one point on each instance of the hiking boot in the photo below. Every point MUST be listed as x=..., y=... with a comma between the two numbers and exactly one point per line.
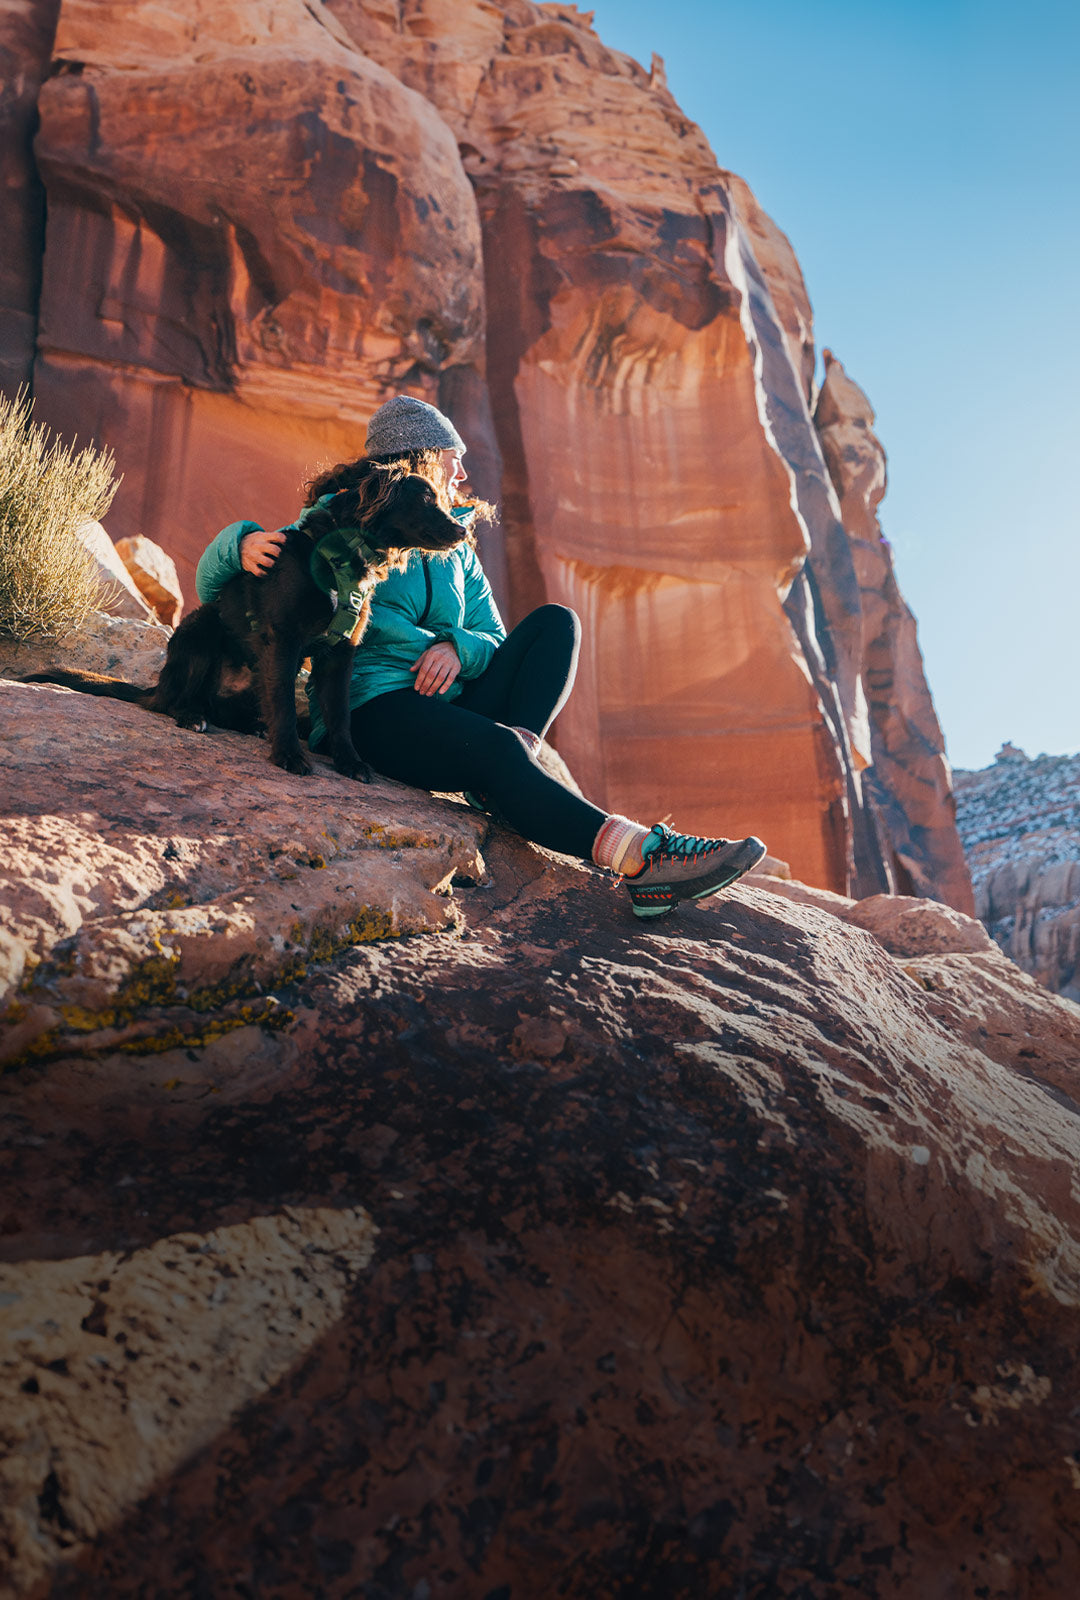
x=680, y=866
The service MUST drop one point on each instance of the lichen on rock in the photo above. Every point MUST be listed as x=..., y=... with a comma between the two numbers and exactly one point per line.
x=777, y=1192
x=155, y=868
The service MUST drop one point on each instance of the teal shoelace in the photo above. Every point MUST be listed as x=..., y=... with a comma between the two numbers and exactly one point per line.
x=678, y=846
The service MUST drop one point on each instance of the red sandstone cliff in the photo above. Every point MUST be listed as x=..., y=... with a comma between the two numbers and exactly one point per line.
x=265, y=217
x=908, y=786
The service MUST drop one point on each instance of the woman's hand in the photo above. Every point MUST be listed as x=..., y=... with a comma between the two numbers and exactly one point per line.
x=436, y=669
x=259, y=551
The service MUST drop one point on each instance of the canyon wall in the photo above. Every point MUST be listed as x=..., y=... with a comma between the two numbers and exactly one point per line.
x=265, y=217
x=26, y=35
x=908, y=787
x=1019, y=823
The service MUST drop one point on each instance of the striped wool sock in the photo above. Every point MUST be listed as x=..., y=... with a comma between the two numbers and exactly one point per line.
x=618, y=846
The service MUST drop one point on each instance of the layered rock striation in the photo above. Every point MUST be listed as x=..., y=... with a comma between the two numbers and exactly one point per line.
x=531, y=1251
x=265, y=217
x=908, y=787
x=1020, y=825
x=27, y=28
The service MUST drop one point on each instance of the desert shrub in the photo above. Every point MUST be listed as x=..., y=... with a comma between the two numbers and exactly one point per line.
x=49, y=583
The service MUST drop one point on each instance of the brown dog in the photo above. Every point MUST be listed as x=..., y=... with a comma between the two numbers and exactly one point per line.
x=270, y=623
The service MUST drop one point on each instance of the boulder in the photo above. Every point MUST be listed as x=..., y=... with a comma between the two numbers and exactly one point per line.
x=154, y=575
x=913, y=927
x=120, y=596
x=532, y=1251
x=121, y=647
x=217, y=876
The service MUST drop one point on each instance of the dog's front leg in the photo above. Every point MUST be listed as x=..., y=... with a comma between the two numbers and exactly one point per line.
x=331, y=669
x=278, y=664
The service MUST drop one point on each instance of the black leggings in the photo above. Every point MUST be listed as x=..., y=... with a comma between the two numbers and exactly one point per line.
x=468, y=743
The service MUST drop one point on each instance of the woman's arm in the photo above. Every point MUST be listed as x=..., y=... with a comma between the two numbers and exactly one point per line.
x=482, y=630
x=241, y=547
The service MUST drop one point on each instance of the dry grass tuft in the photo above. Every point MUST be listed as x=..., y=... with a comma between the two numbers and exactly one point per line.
x=49, y=583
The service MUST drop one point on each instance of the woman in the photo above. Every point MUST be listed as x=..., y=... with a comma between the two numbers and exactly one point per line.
x=443, y=698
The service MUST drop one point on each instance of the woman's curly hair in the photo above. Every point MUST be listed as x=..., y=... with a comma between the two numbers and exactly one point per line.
x=361, y=488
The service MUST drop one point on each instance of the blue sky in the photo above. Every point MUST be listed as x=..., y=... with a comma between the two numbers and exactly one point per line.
x=924, y=160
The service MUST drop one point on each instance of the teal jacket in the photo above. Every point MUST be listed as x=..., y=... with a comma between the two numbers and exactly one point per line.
x=435, y=597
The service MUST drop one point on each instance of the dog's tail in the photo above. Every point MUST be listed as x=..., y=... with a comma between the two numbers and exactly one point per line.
x=93, y=683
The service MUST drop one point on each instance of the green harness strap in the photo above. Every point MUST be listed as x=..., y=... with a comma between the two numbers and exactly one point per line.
x=339, y=565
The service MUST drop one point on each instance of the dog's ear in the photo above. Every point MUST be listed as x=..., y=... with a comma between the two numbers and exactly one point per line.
x=399, y=492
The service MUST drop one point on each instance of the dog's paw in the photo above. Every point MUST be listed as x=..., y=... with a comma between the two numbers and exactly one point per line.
x=349, y=762
x=293, y=763
x=355, y=768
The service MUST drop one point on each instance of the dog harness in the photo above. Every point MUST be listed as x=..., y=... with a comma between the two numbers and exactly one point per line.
x=340, y=564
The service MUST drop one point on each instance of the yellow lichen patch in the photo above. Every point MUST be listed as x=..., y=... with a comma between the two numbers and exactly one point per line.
x=80, y=1020
x=271, y=1015
x=159, y=982
x=390, y=839
x=323, y=943
x=153, y=982
x=46, y=1044
x=61, y=963
x=30, y=966
x=219, y=994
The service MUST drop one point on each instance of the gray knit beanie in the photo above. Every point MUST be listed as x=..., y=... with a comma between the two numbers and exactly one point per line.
x=406, y=424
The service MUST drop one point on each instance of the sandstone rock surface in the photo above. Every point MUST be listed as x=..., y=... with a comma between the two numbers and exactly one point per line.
x=1019, y=821
x=163, y=1339
x=483, y=204
x=537, y=1252
x=142, y=863
x=121, y=647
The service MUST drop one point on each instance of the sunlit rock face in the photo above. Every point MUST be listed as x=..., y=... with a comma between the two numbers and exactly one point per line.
x=909, y=785
x=255, y=236
x=644, y=481
x=26, y=33
x=1019, y=821
x=266, y=217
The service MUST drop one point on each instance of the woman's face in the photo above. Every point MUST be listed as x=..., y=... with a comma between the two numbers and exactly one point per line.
x=454, y=472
